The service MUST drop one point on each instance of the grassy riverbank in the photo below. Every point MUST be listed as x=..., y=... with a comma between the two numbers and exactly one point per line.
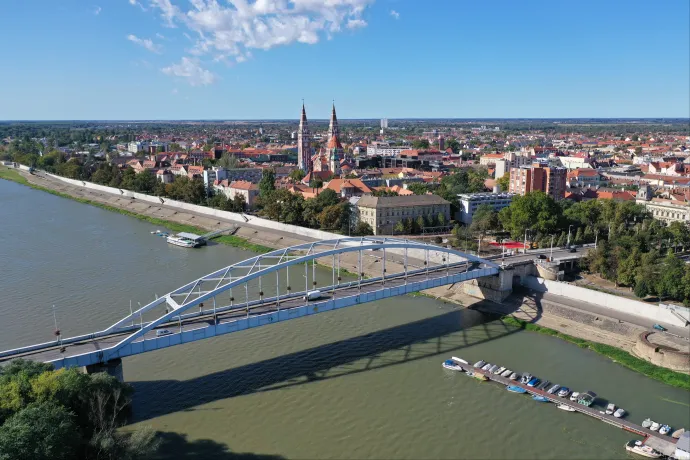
x=229, y=240
x=624, y=358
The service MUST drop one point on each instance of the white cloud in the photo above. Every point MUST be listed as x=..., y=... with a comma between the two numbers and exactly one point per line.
x=161, y=36
x=233, y=28
x=356, y=23
x=97, y=10
x=190, y=69
x=395, y=14
x=136, y=3
x=146, y=43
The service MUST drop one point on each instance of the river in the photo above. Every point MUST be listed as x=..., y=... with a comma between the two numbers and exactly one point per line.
x=362, y=382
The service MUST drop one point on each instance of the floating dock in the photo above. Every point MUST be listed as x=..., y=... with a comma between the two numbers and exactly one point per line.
x=664, y=444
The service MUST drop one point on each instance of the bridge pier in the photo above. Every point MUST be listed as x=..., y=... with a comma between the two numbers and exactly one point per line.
x=112, y=367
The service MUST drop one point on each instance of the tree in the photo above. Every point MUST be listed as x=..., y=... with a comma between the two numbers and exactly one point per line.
x=418, y=188
x=420, y=144
x=384, y=192
x=297, y=175
x=228, y=161
x=579, y=236
x=316, y=183
x=267, y=183
x=504, y=182
x=673, y=270
x=144, y=182
x=441, y=219
x=453, y=144
x=421, y=223
x=536, y=211
x=329, y=218
x=40, y=431
x=399, y=227
x=484, y=220
x=364, y=229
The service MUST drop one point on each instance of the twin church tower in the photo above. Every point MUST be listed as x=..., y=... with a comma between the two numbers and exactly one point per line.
x=327, y=159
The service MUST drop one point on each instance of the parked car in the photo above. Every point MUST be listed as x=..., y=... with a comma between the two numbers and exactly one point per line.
x=162, y=332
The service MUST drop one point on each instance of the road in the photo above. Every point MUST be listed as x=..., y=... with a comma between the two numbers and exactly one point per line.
x=101, y=343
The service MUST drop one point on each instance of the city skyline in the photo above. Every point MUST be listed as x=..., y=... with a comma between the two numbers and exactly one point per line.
x=174, y=60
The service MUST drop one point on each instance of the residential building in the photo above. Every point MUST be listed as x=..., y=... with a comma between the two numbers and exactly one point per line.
x=384, y=149
x=533, y=178
x=383, y=213
x=584, y=177
x=249, y=191
x=348, y=188
x=469, y=202
x=136, y=147
x=212, y=175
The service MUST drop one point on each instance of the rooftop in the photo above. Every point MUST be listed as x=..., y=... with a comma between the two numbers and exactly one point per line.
x=400, y=201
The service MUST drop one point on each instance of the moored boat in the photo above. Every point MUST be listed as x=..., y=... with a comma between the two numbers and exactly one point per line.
x=587, y=398
x=452, y=365
x=574, y=396
x=533, y=382
x=664, y=429
x=542, y=386
x=610, y=409
x=565, y=407
x=540, y=398
x=564, y=392
x=506, y=373
x=526, y=377
x=678, y=433
x=516, y=389
x=500, y=370
x=620, y=412
x=554, y=389
x=655, y=426
x=493, y=368
x=459, y=360
x=639, y=448
x=479, y=364
x=487, y=366
x=647, y=423
x=514, y=376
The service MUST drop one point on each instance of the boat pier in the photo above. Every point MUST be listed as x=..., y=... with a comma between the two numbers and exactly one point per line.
x=664, y=444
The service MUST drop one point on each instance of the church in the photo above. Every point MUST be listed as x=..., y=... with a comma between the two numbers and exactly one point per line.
x=328, y=158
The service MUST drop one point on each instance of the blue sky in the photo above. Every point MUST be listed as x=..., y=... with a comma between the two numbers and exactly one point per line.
x=256, y=59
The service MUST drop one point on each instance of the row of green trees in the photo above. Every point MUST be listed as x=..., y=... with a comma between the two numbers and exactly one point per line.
x=66, y=414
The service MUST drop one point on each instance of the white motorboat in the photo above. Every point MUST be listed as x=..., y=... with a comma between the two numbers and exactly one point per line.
x=186, y=240
x=610, y=409
x=565, y=407
x=526, y=378
x=665, y=429
x=480, y=363
x=487, y=366
x=647, y=423
x=620, y=412
x=514, y=376
x=506, y=373
x=574, y=396
x=452, y=365
x=493, y=368
x=564, y=392
x=459, y=360
x=500, y=370
x=655, y=426
x=638, y=448
x=554, y=389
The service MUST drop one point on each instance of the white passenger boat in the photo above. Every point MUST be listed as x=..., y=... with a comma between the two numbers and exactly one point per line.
x=610, y=409
x=574, y=396
x=638, y=448
x=186, y=240
x=620, y=412
x=565, y=407
x=452, y=365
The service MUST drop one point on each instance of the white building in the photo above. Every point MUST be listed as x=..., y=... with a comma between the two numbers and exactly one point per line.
x=212, y=175
x=469, y=202
x=385, y=149
x=661, y=209
x=136, y=147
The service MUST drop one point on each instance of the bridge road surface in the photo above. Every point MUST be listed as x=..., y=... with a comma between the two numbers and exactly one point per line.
x=101, y=343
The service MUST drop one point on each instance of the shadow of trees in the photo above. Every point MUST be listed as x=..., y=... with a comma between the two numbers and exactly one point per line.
x=176, y=446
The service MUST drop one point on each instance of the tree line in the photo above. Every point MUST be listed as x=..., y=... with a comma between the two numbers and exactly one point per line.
x=65, y=415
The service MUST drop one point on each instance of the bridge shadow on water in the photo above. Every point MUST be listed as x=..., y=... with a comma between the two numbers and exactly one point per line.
x=437, y=335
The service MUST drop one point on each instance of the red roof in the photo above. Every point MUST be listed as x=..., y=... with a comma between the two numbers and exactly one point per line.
x=244, y=185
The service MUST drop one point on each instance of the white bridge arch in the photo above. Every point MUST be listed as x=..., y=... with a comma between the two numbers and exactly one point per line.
x=423, y=266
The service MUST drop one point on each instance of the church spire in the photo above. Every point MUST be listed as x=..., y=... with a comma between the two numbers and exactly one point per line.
x=304, y=143
x=333, y=129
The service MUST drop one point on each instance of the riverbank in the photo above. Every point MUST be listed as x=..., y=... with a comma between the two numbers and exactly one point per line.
x=263, y=240
x=619, y=356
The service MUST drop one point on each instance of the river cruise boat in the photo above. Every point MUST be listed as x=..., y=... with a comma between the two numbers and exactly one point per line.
x=637, y=447
x=451, y=365
x=186, y=240
x=565, y=407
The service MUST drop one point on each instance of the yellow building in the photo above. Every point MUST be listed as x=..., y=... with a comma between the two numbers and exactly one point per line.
x=383, y=213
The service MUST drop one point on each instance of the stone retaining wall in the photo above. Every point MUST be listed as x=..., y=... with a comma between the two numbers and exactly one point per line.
x=661, y=355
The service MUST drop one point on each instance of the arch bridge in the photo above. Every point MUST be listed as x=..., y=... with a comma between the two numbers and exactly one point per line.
x=267, y=289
